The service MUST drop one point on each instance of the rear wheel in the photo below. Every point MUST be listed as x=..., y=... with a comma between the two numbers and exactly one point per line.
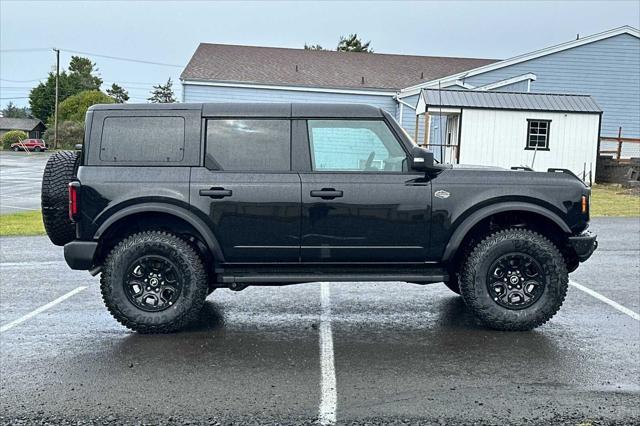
x=59, y=171
x=154, y=282
x=16, y=149
x=514, y=279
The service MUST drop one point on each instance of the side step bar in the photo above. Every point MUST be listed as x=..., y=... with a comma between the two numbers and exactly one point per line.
x=423, y=275
x=295, y=279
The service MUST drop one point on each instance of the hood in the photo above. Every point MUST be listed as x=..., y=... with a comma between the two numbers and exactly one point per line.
x=475, y=167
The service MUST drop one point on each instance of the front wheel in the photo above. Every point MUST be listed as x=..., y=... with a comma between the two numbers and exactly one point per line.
x=514, y=279
x=154, y=282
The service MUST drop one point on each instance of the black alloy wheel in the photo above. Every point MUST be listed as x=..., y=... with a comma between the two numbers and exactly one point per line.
x=515, y=281
x=153, y=283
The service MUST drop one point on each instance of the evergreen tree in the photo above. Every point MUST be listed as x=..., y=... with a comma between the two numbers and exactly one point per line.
x=352, y=43
x=312, y=47
x=163, y=93
x=81, y=71
x=118, y=93
x=12, y=111
x=79, y=78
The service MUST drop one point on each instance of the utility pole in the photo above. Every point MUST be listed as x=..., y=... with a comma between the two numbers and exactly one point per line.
x=55, y=119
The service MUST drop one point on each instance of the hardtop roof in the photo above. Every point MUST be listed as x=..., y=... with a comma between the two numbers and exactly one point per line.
x=234, y=109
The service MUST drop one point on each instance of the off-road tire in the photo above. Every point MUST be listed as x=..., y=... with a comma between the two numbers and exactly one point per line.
x=61, y=169
x=474, y=288
x=182, y=254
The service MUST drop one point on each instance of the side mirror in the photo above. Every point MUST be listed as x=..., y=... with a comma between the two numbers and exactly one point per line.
x=421, y=159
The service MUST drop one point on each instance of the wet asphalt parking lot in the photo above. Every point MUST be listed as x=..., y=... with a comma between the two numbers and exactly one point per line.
x=400, y=353
x=20, y=180
x=373, y=353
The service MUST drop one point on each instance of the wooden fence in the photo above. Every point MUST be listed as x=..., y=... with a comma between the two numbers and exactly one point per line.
x=618, y=141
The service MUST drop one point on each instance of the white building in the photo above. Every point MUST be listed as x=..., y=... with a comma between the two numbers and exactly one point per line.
x=503, y=129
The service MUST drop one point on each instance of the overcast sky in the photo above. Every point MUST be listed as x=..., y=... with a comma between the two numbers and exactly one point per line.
x=169, y=32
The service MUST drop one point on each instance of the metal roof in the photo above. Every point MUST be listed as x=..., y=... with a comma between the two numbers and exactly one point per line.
x=510, y=100
x=318, y=68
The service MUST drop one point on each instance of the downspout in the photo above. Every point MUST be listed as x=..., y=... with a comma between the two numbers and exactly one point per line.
x=400, y=101
x=402, y=105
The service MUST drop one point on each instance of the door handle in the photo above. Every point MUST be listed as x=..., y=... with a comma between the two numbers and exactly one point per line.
x=216, y=192
x=327, y=194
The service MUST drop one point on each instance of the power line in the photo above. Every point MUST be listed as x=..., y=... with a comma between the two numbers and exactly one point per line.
x=31, y=49
x=22, y=81
x=119, y=58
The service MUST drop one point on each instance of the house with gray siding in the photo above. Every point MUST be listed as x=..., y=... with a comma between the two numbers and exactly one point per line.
x=605, y=66
x=230, y=73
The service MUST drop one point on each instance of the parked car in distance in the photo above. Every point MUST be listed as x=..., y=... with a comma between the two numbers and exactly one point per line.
x=171, y=202
x=36, y=145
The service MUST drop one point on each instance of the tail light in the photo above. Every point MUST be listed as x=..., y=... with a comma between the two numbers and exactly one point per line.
x=585, y=204
x=74, y=188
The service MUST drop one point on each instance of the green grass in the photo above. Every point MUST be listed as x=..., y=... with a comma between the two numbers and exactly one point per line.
x=609, y=200
x=21, y=224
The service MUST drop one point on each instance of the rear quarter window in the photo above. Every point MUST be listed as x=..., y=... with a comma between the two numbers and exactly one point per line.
x=142, y=139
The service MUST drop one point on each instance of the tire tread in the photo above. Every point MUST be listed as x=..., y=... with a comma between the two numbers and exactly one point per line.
x=155, y=238
x=493, y=315
x=59, y=171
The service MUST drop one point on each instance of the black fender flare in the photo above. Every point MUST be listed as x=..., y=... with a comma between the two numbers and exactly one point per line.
x=473, y=219
x=198, y=224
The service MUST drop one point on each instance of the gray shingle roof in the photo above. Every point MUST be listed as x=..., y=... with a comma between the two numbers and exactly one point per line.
x=326, y=69
x=26, y=124
x=510, y=100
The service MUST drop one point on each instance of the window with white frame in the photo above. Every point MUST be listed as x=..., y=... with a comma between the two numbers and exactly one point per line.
x=538, y=134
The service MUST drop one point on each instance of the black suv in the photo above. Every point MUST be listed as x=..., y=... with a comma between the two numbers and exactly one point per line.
x=170, y=202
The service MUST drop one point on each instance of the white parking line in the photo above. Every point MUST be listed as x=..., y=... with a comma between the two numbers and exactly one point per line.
x=606, y=300
x=40, y=310
x=328, y=395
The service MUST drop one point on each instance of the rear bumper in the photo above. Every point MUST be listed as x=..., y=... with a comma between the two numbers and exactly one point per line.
x=79, y=254
x=584, y=245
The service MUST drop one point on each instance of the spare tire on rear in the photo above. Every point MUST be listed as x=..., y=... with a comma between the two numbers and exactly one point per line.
x=59, y=171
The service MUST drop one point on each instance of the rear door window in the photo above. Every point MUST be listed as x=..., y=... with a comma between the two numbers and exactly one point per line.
x=249, y=145
x=142, y=139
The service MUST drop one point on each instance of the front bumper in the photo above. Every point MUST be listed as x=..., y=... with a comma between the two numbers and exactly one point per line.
x=79, y=254
x=584, y=245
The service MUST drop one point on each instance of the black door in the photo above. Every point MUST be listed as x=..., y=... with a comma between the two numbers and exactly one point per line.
x=248, y=191
x=359, y=202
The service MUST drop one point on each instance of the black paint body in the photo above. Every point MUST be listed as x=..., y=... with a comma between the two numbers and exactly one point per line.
x=271, y=218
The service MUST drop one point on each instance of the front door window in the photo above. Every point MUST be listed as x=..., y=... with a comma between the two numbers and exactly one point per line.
x=354, y=146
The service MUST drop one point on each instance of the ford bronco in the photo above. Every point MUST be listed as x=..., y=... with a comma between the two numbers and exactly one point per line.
x=170, y=202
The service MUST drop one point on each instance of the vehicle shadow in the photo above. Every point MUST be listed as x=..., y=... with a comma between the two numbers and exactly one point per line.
x=211, y=318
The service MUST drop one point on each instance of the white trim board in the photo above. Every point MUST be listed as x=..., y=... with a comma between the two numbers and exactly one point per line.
x=413, y=90
x=389, y=93
x=529, y=76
